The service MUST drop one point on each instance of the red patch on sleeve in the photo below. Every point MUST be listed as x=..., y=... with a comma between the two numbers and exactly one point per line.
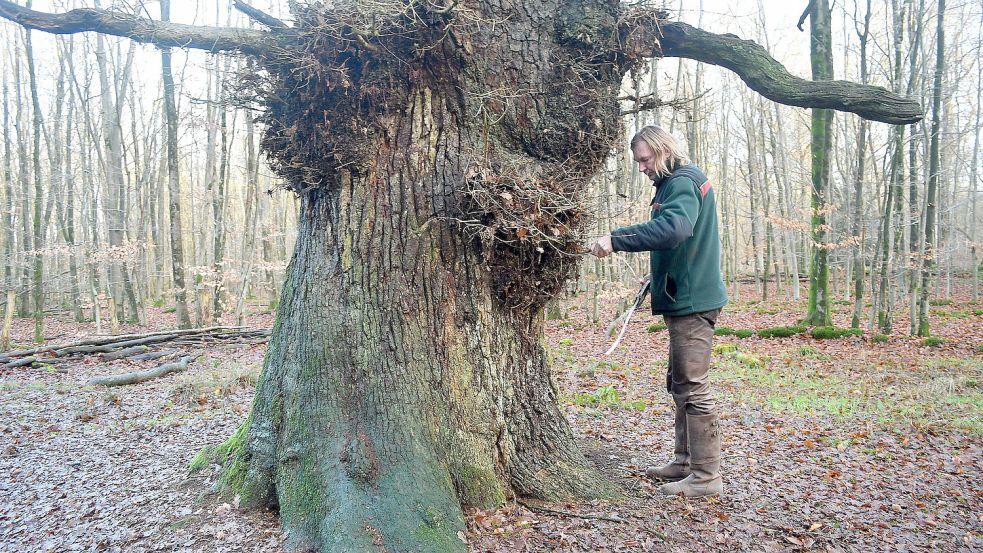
x=704, y=189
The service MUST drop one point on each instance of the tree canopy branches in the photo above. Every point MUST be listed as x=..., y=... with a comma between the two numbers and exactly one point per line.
x=645, y=31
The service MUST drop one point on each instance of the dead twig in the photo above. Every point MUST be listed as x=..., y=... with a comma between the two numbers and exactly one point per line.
x=540, y=509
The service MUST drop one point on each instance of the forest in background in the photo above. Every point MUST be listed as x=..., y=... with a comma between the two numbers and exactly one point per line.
x=100, y=220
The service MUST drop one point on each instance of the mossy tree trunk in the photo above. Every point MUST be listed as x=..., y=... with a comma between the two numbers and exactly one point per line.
x=821, y=52
x=440, y=211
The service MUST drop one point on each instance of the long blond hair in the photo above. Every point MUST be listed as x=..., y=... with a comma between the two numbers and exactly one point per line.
x=669, y=153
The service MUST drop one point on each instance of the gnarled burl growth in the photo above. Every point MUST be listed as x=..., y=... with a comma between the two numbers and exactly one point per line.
x=442, y=154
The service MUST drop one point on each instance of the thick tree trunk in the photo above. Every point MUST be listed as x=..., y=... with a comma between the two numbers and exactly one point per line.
x=405, y=378
x=418, y=395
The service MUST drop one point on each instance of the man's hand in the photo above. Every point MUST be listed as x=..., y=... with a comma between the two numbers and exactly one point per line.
x=602, y=247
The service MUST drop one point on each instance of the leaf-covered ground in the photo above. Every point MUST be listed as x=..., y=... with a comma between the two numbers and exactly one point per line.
x=845, y=444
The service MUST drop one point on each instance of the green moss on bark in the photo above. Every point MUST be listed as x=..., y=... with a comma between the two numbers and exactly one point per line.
x=231, y=454
x=478, y=487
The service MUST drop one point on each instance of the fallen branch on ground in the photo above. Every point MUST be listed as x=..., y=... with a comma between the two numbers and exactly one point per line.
x=132, y=346
x=142, y=376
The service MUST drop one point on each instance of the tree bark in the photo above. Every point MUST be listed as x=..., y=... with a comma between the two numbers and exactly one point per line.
x=974, y=175
x=819, y=312
x=174, y=184
x=859, y=266
x=928, y=261
x=9, y=233
x=37, y=271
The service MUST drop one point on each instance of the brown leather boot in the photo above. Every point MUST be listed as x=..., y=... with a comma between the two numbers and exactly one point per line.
x=704, y=449
x=679, y=467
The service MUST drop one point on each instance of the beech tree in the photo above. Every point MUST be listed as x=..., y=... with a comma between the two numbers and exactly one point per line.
x=442, y=154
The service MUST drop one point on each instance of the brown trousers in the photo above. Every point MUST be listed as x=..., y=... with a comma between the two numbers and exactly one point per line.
x=688, y=377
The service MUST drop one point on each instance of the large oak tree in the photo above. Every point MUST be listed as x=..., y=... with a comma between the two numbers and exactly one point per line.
x=442, y=153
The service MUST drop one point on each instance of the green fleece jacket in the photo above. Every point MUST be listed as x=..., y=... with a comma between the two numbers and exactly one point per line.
x=685, y=245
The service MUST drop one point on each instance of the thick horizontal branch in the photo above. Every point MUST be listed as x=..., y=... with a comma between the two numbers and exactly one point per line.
x=177, y=35
x=768, y=77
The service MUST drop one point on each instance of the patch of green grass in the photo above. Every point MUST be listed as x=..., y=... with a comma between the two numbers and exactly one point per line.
x=932, y=342
x=946, y=393
x=19, y=385
x=733, y=355
x=566, y=342
x=830, y=332
x=879, y=338
x=656, y=327
x=842, y=302
x=158, y=303
x=607, y=396
x=218, y=382
x=169, y=310
x=952, y=314
x=728, y=331
x=585, y=372
x=609, y=365
x=935, y=302
x=978, y=312
x=781, y=331
x=808, y=351
x=724, y=348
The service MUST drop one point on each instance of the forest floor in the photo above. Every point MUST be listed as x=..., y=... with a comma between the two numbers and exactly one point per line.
x=843, y=444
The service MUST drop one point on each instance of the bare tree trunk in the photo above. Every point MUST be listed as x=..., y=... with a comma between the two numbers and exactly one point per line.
x=67, y=209
x=248, y=251
x=218, y=212
x=928, y=263
x=111, y=98
x=9, y=233
x=37, y=273
x=859, y=267
x=23, y=176
x=914, y=209
x=974, y=174
x=173, y=183
x=754, y=184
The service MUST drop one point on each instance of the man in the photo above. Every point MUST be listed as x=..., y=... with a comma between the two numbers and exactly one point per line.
x=688, y=291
